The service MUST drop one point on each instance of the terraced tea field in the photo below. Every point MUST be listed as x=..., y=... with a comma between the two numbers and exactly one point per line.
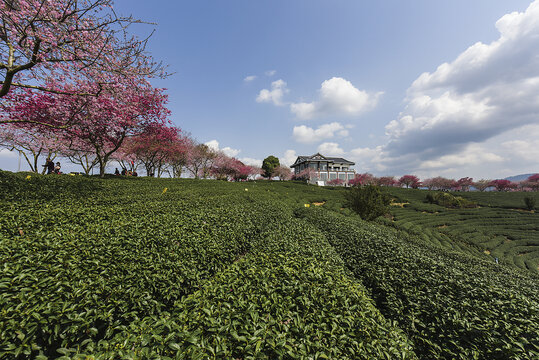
x=500, y=227
x=136, y=268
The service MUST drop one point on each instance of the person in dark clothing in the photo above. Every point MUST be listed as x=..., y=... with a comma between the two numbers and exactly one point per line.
x=116, y=172
x=57, y=168
x=124, y=172
x=49, y=164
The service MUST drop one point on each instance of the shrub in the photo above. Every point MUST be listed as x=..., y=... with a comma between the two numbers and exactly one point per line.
x=529, y=202
x=336, y=182
x=449, y=201
x=368, y=201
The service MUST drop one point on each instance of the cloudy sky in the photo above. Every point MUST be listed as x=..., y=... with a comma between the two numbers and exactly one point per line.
x=425, y=87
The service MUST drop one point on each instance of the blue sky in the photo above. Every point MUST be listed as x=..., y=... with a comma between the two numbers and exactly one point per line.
x=292, y=77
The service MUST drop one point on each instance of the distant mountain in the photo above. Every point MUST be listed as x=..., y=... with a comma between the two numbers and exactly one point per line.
x=517, y=178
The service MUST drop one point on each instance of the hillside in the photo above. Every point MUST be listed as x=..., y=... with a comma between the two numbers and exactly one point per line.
x=499, y=227
x=517, y=178
x=184, y=269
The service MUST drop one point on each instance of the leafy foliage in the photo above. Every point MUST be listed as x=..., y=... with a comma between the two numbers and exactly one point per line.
x=498, y=228
x=449, y=201
x=529, y=202
x=186, y=269
x=369, y=201
x=269, y=165
x=201, y=269
x=449, y=303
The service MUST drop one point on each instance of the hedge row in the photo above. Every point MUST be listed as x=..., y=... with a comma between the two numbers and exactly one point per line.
x=451, y=305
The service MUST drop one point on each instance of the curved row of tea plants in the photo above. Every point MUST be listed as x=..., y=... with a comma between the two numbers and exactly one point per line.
x=147, y=268
x=503, y=232
x=450, y=304
x=288, y=298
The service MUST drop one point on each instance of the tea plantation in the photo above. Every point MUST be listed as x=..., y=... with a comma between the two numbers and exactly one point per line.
x=500, y=226
x=136, y=268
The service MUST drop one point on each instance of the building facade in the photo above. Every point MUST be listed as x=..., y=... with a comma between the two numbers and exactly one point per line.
x=324, y=168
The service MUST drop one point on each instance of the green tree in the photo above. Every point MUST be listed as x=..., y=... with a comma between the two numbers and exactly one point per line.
x=269, y=164
x=529, y=202
x=368, y=201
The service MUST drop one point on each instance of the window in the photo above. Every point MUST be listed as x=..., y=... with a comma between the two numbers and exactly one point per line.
x=332, y=176
x=324, y=166
x=342, y=176
x=351, y=176
x=313, y=166
x=323, y=176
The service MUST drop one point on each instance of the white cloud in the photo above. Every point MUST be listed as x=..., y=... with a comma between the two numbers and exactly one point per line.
x=473, y=154
x=475, y=116
x=213, y=144
x=228, y=151
x=336, y=97
x=271, y=72
x=487, y=90
x=251, y=162
x=288, y=158
x=368, y=159
x=5, y=153
x=307, y=135
x=249, y=78
x=275, y=95
x=330, y=149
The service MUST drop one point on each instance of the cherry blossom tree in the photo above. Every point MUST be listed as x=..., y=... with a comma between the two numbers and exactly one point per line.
x=283, y=172
x=465, y=183
x=224, y=167
x=306, y=175
x=532, y=183
x=31, y=144
x=387, y=181
x=112, y=117
x=46, y=42
x=501, y=184
x=228, y=168
x=177, y=156
x=429, y=183
x=200, y=160
x=362, y=179
x=155, y=146
x=440, y=183
x=410, y=181
x=244, y=172
x=335, y=182
x=124, y=157
x=482, y=184
x=533, y=178
x=86, y=160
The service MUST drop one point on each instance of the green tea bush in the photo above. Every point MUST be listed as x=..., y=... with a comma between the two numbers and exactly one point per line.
x=448, y=200
x=498, y=222
x=529, y=201
x=451, y=305
x=369, y=201
x=203, y=268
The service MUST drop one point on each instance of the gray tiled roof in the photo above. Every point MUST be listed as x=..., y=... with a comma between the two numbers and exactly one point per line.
x=302, y=159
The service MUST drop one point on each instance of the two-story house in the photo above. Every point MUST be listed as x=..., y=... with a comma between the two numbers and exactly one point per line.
x=325, y=168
